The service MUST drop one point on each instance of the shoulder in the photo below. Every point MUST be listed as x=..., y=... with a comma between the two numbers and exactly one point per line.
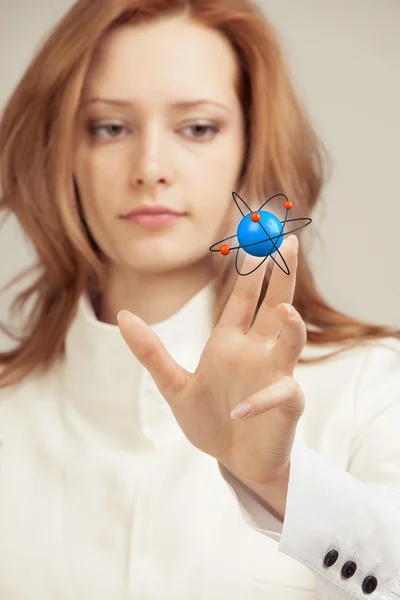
x=377, y=355
x=363, y=382
x=26, y=394
x=378, y=384
x=360, y=378
x=382, y=357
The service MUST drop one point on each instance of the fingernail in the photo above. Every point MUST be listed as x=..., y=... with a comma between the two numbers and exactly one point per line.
x=241, y=410
x=121, y=312
x=290, y=311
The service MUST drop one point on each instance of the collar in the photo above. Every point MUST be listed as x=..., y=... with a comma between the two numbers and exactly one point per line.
x=108, y=386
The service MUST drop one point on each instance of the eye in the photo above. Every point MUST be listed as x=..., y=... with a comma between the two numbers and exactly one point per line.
x=202, y=127
x=113, y=128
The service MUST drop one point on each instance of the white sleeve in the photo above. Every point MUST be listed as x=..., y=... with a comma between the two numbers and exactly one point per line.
x=344, y=525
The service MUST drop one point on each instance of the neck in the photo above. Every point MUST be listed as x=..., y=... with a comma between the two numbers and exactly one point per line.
x=153, y=297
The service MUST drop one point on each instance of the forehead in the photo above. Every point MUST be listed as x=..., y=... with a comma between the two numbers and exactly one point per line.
x=165, y=58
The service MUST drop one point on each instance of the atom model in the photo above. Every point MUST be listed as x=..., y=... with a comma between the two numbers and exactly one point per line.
x=252, y=230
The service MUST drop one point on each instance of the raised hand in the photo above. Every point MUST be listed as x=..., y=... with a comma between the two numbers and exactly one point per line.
x=238, y=364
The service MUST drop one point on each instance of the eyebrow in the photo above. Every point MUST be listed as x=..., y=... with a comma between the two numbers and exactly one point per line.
x=182, y=104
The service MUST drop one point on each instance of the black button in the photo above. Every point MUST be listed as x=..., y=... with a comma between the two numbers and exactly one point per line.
x=348, y=569
x=369, y=584
x=331, y=558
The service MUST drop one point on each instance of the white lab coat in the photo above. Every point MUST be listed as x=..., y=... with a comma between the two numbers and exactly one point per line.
x=103, y=498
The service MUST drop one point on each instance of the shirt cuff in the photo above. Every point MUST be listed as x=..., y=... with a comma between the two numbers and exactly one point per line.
x=330, y=511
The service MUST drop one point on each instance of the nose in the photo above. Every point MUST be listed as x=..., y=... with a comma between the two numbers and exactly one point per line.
x=150, y=163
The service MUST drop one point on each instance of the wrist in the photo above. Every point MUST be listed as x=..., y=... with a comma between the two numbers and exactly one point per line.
x=274, y=494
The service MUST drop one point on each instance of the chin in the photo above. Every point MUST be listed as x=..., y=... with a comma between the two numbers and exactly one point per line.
x=151, y=265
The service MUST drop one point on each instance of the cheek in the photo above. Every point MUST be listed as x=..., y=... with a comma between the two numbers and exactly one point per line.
x=84, y=174
x=96, y=182
x=214, y=220
x=93, y=196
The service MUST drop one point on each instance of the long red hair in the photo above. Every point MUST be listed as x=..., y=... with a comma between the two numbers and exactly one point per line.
x=283, y=154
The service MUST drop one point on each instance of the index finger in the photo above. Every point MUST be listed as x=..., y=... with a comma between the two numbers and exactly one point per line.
x=280, y=289
x=241, y=305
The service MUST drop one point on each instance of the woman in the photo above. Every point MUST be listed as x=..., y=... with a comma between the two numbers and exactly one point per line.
x=123, y=473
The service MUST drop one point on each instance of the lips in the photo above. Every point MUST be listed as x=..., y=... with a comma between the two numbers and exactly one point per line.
x=165, y=212
x=154, y=220
x=153, y=211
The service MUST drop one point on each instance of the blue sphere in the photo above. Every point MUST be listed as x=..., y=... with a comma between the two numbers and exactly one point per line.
x=250, y=231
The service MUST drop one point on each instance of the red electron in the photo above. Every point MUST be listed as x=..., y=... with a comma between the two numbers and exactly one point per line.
x=225, y=250
x=287, y=204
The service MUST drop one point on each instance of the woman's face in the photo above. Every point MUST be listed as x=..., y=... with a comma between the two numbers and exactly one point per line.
x=136, y=146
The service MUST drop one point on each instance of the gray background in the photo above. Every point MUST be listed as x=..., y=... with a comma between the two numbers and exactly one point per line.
x=344, y=56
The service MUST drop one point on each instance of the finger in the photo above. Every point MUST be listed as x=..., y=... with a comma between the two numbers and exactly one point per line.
x=169, y=377
x=280, y=289
x=291, y=341
x=285, y=392
x=241, y=305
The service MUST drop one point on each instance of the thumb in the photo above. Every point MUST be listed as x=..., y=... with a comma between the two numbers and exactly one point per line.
x=169, y=377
